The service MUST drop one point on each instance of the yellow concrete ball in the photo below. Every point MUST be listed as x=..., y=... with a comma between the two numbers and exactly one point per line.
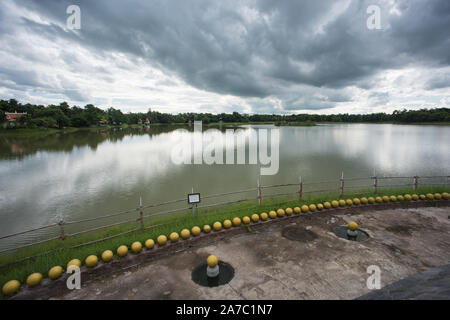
x=206, y=228
x=162, y=240
x=272, y=214
x=335, y=203
x=34, y=279
x=55, y=272
x=289, y=211
x=281, y=212
x=379, y=199
x=217, y=226
x=437, y=196
x=227, y=224
x=385, y=198
x=371, y=200
x=185, y=234
x=400, y=198
x=364, y=200
x=149, y=243
x=342, y=203
x=237, y=222
x=174, y=237
x=297, y=210
x=212, y=261
x=312, y=207
x=91, y=261
x=327, y=205
x=415, y=197
x=407, y=197
x=122, y=251
x=356, y=201
x=352, y=225
x=445, y=195
x=246, y=220
x=11, y=287
x=74, y=262
x=393, y=198
x=136, y=247
x=422, y=197
x=349, y=202
x=320, y=206
x=264, y=216
x=196, y=231
x=255, y=217
x=107, y=255
x=305, y=208
x=430, y=196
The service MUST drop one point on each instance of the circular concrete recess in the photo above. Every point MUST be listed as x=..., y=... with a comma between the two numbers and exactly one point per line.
x=226, y=273
x=296, y=233
x=341, y=232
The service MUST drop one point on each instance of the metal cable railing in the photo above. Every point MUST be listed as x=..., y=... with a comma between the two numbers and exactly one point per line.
x=340, y=187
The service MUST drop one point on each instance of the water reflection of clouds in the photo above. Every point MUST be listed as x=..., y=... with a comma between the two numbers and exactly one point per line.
x=48, y=179
x=390, y=149
x=86, y=173
x=395, y=149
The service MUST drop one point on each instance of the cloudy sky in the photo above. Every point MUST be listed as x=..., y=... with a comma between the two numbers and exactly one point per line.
x=253, y=56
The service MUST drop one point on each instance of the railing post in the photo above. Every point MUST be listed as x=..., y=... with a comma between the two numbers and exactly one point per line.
x=141, y=213
x=61, y=227
x=193, y=206
x=342, y=185
x=300, y=190
x=375, y=184
x=416, y=183
x=259, y=192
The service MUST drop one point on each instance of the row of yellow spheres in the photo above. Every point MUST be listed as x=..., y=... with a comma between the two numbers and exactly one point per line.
x=13, y=286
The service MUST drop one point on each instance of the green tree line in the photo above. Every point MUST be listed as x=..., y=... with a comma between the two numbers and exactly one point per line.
x=63, y=115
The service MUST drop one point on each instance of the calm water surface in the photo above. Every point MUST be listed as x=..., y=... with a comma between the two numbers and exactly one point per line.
x=91, y=173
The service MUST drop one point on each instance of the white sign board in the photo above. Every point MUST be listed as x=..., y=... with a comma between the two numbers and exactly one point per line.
x=194, y=198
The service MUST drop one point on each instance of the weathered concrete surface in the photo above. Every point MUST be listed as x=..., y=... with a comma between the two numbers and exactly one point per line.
x=269, y=266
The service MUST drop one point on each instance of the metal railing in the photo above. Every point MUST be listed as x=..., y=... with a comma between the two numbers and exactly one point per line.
x=301, y=188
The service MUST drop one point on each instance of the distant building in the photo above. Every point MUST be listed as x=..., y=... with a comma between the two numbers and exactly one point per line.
x=12, y=117
x=102, y=123
x=147, y=121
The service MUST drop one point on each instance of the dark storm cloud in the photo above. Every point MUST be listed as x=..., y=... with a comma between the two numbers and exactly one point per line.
x=17, y=78
x=258, y=48
x=440, y=81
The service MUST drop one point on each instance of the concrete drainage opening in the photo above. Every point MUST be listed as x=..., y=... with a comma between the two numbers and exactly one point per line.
x=226, y=273
x=342, y=232
x=296, y=233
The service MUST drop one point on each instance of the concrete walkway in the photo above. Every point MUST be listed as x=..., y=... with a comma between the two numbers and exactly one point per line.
x=268, y=266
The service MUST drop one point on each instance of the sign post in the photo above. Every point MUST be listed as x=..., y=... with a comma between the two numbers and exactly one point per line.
x=194, y=199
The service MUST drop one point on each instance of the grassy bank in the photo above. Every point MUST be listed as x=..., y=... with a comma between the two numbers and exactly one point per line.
x=166, y=225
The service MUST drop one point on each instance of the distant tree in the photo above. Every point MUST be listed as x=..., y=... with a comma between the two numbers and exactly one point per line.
x=79, y=120
x=115, y=116
x=46, y=122
x=93, y=114
x=63, y=115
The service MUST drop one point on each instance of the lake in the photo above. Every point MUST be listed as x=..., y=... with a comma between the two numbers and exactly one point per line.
x=95, y=172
